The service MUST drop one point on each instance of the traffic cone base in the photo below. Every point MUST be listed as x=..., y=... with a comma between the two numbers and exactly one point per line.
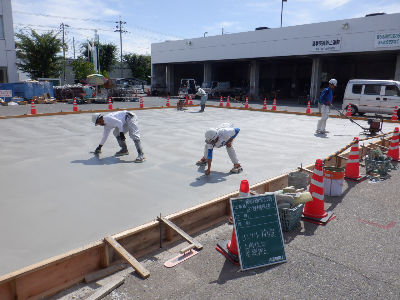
x=320, y=221
x=223, y=249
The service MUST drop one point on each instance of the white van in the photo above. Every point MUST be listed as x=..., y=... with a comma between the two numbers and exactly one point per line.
x=372, y=96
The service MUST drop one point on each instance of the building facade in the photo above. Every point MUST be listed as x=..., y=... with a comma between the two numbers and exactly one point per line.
x=289, y=62
x=8, y=66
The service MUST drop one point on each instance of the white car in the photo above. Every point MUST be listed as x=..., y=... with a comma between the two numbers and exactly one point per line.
x=372, y=96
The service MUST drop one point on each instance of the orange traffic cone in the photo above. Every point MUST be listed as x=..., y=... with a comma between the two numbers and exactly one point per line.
x=190, y=100
x=167, y=101
x=141, y=102
x=314, y=210
x=246, y=105
x=221, y=102
x=393, y=151
x=109, y=103
x=187, y=100
x=274, y=104
x=308, y=111
x=353, y=163
x=265, y=104
x=348, y=113
x=75, y=108
x=228, y=103
x=394, y=116
x=229, y=249
x=33, y=108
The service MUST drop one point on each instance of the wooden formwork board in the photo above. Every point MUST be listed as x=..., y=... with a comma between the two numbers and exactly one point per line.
x=55, y=274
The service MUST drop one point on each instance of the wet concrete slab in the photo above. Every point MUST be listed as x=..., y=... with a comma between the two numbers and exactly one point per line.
x=56, y=196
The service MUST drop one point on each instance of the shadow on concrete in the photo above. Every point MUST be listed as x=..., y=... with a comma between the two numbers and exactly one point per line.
x=229, y=271
x=214, y=177
x=97, y=160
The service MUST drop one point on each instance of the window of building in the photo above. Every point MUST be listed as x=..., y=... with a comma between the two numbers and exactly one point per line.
x=372, y=89
x=1, y=27
x=357, y=89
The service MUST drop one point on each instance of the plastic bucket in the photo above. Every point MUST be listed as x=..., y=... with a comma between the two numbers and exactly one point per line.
x=333, y=181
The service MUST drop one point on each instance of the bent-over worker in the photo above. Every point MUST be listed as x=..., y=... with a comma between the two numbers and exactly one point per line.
x=217, y=138
x=325, y=100
x=122, y=122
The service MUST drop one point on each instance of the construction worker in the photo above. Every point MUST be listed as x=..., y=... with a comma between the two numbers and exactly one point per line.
x=203, y=98
x=217, y=138
x=121, y=122
x=325, y=100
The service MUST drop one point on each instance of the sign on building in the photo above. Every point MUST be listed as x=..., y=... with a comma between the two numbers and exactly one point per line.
x=390, y=39
x=325, y=45
x=5, y=93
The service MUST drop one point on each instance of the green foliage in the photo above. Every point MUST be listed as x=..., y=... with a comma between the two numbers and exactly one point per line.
x=105, y=74
x=82, y=68
x=140, y=65
x=107, y=55
x=38, y=54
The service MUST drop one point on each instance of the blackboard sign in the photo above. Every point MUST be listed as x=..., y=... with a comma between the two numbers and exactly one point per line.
x=258, y=231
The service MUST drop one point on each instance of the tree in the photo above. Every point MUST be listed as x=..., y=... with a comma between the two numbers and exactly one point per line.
x=82, y=68
x=38, y=54
x=107, y=55
x=140, y=65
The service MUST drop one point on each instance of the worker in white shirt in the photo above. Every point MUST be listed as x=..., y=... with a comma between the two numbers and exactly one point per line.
x=203, y=98
x=122, y=122
x=218, y=137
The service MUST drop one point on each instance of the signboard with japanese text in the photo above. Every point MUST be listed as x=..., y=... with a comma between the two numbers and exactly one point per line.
x=5, y=93
x=258, y=231
x=325, y=45
x=390, y=39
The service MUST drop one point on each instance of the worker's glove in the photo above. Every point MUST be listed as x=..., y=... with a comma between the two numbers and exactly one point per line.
x=98, y=149
x=122, y=136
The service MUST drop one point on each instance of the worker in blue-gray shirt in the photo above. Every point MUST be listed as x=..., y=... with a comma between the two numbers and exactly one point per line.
x=325, y=99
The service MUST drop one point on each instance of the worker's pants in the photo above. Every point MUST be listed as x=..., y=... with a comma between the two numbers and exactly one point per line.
x=325, y=109
x=203, y=101
x=231, y=152
x=134, y=133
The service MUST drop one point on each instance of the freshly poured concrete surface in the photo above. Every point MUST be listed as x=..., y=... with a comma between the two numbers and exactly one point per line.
x=55, y=196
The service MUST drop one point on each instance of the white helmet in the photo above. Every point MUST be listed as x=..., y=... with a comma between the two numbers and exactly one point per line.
x=333, y=81
x=96, y=117
x=210, y=135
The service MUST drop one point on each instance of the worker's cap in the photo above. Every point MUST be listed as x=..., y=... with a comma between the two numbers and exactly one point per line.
x=96, y=117
x=210, y=135
x=333, y=81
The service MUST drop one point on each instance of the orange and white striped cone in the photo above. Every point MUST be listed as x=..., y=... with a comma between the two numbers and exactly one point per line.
x=393, y=151
x=187, y=100
x=168, y=104
x=229, y=249
x=190, y=100
x=228, y=102
x=348, y=113
x=110, y=106
x=353, y=163
x=308, y=111
x=314, y=210
x=394, y=116
x=274, y=104
x=221, y=102
x=246, y=105
x=75, y=108
x=33, y=108
x=265, y=104
x=141, y=102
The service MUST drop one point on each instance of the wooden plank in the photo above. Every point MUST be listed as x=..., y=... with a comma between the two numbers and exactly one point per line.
x=104, y=272
x=106, y=289
x=128, y=257
x=183, y=234
x=186, y=249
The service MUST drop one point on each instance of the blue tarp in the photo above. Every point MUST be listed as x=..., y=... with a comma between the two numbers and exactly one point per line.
x=28, y=90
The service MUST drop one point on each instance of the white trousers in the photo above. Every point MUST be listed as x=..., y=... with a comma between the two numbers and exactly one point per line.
x=325, y=109
x=231, y=152
x=131, y=127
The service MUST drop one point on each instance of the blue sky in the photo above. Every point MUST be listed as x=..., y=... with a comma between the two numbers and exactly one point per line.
x=154, y=21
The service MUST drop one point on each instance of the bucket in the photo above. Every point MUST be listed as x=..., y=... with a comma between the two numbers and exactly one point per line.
x=298, y=180
x=333, y=181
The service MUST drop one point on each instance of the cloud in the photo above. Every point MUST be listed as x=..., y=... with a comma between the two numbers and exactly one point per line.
x=332, y=4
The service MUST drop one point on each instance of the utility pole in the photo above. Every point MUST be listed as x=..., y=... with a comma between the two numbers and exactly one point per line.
x=62, y=26
x=282, y=10
x=73, y=45
x=121, y=31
